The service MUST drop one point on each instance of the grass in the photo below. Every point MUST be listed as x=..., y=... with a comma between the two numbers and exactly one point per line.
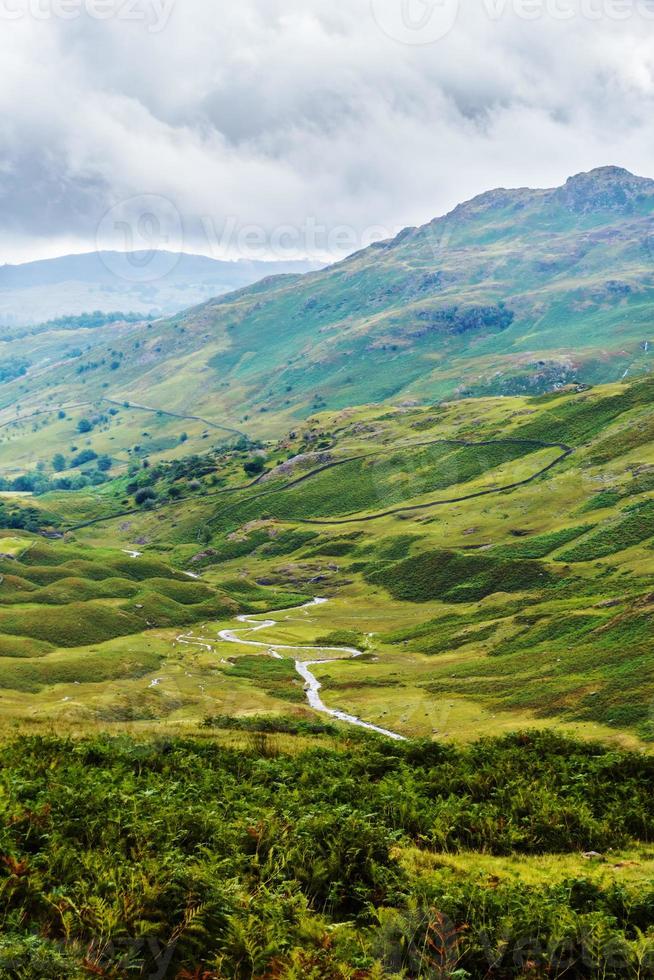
x=634, y=525
x=472, y=616
x=12, y=546
x=243, y=833
x=457, y=578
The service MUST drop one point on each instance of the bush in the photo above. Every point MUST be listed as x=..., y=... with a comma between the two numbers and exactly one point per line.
x=291, y=865
x=86, y=456
x=144, y=495
x=456, y=578
x=254, y=466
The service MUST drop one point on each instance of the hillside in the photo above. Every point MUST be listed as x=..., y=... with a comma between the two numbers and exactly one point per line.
x=492, y=560
x=371, y=700
x=514, y=292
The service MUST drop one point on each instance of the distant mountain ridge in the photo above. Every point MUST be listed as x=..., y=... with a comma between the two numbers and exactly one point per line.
x=142, y=282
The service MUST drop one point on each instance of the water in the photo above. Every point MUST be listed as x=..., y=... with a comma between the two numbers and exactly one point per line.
x=303, y=667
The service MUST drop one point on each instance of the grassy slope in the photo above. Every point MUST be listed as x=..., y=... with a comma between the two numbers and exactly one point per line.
x=264, y=842
x=517, y=607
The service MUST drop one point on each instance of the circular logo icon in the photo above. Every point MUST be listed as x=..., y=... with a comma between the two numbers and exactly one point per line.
x=415, y=21
x=139, y=239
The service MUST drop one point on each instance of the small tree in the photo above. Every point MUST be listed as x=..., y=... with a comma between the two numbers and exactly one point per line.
x=254, y=466
x=84, y=426
x=144, y=496
x=58, y=462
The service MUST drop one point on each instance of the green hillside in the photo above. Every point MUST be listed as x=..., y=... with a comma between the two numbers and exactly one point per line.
x=515, y=292
x=170, y=798
x=491, y=558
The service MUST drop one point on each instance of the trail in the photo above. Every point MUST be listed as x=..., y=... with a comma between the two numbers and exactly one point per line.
x=303, y=667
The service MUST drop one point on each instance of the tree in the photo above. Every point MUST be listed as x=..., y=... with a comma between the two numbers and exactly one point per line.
x=86, y=456
x=254, y=466
x=84, y=426
x=104, y=463
x=144, y=495
x=58, y=462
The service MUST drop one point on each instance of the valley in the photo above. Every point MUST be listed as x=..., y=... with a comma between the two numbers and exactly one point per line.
x=326, y=615
x=490, y=576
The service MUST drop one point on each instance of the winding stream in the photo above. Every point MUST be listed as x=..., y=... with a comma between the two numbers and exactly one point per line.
x=303, y=667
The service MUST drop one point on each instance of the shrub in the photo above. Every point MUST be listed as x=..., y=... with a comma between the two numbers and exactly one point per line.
x=144, y=495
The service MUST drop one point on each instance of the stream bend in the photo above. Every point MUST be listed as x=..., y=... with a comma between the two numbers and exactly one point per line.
x=303, y=667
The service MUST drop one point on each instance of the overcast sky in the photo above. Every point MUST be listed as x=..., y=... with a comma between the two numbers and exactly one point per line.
x=311, y=125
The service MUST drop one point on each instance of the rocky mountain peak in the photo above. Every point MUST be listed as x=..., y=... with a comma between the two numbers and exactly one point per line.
x=603, y=189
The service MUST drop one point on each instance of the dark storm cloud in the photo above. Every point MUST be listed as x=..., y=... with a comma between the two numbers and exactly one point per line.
x=303, y=119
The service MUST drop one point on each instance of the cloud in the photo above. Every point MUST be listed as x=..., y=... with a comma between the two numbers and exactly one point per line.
x=302, y=123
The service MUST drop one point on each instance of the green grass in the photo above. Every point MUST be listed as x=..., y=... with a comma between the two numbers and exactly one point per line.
x=373, y=484
x=12, y=546
x=276, y=677
x=541, y=545
x=475, y=604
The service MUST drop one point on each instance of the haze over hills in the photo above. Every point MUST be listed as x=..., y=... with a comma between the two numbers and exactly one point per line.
x=151, y=283
x=517, y=291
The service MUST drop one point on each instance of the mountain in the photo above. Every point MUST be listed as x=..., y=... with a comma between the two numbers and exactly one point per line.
x=152, y=283
x=515, y=292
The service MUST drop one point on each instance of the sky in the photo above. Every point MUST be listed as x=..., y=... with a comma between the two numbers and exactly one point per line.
x=305, y=127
